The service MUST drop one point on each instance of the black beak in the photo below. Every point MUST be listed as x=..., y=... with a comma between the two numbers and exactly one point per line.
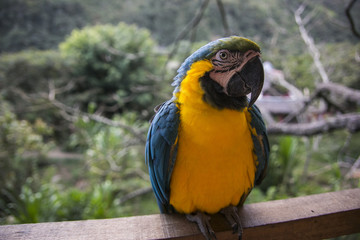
x=249, y=80
x=253, y=73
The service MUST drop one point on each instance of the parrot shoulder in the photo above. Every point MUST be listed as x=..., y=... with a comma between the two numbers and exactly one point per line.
x=161, y=149
x=261, y=142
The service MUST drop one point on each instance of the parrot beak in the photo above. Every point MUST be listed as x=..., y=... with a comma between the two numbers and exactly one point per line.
x=249, y=79
x=254, y=72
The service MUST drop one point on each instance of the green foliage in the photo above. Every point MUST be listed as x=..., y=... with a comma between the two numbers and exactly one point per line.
x=338, y=60
x=22, y=146
x=113, y=168
x=114, y=153
x=39, y=24
x=33, y=207
x=49, y=203
x=32, y=70
x=42, y=24
x=115, y=64
x=300, y=70
x=165, y=19
x=100, y=202
x=26, y=77
x=302, y=166
x=283, y=159
x=343, y=67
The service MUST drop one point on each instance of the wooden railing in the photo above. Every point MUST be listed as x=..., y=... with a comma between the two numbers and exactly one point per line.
x=317, y=216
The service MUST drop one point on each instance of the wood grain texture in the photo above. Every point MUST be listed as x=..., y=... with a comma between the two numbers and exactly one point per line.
x=310, y=217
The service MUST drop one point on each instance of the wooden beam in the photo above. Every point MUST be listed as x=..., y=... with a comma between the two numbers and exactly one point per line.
x=318, y=216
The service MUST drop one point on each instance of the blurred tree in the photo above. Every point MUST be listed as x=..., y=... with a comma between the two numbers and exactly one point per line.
x=343, y=65
x=116, y=67
x=40, y=24
x=25, y=81
x=31, y=206
x=113, y=153
x=21, y=147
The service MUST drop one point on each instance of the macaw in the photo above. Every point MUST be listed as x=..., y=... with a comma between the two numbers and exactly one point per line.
x=207, y=146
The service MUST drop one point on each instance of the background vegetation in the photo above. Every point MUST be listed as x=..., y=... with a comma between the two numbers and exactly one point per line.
x=79, y=80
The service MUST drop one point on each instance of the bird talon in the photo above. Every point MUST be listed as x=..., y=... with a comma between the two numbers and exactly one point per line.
x=234, y=228
x=232, y=216
x=203, y=223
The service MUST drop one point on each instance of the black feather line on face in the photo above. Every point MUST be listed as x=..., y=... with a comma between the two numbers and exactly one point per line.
x=215, y=96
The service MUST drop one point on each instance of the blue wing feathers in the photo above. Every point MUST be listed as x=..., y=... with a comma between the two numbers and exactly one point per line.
x=160, y=151
x=261, y=143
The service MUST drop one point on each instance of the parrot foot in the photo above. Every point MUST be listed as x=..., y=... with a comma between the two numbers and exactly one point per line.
x=232, y=216
x=203, y=223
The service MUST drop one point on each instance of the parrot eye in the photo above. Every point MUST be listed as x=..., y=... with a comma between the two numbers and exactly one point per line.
x=223, y=55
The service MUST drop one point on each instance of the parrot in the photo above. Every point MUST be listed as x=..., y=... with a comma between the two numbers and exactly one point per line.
x=207, y=146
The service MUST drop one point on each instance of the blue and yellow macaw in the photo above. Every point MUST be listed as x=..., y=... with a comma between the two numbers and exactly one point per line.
x=207, y=146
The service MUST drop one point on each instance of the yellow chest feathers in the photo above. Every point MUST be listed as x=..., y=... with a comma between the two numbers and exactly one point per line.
x=215, y=164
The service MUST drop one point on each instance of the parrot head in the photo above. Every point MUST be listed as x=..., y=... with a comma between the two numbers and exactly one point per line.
x=236, y=72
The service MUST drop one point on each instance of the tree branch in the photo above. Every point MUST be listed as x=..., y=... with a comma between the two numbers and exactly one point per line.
x=194, y=22
x=351, y=21
x=135, y=193
x=354, y=170
x=223, y=17
x=138, y=134
x=350, y=121
x=310, y=43
x=191, y=25
x=347, y=95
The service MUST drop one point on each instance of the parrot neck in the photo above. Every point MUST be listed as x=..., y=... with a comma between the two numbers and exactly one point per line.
x=197, y=87
x=217, y=98
x=190, y=89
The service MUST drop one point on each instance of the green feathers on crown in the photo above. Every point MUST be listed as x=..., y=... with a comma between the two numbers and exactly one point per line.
x=234, y=43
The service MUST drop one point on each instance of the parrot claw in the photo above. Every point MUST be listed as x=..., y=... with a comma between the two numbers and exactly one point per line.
x=203, y=223
x=232, y=216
